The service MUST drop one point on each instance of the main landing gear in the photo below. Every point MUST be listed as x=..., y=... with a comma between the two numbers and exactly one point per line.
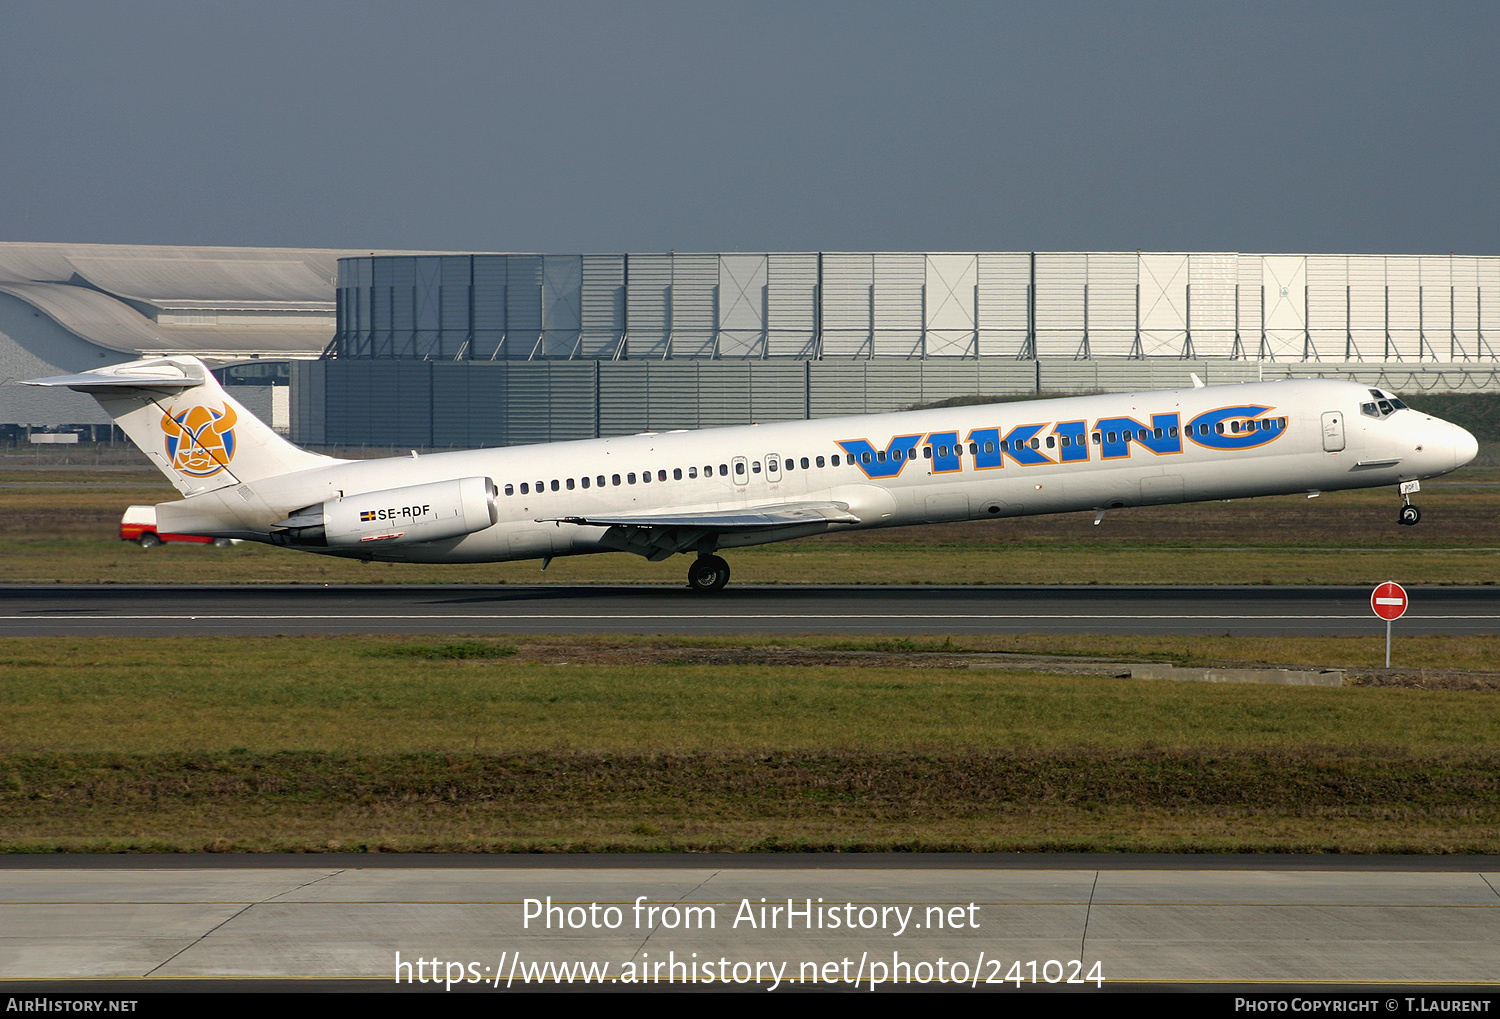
x=708, y=573
x=1409, y=513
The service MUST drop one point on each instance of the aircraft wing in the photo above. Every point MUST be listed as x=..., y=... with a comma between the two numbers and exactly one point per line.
x=749, y=519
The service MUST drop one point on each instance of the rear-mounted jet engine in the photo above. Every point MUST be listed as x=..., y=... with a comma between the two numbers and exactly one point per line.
x=396, y=516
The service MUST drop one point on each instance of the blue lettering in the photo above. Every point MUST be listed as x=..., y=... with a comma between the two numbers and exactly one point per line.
x=945, y=452
x=987, y=445
x=1119, y=433
x=885, y=464
x=1075, y=440
x=1015, y=445
x=1215, y=429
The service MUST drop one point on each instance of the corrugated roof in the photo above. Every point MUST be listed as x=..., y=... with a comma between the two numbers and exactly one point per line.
x=86, y=287
x=96, y=317
x=185, y=281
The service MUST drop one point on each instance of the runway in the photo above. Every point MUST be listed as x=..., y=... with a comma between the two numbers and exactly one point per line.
x=108, y=610
x=986, y=924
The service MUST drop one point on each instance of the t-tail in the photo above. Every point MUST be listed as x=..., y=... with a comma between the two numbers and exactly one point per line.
x=178, y=414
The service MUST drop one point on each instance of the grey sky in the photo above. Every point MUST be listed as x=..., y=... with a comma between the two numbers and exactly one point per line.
x=564, y=126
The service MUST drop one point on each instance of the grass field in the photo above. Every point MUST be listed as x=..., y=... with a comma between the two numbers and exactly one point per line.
x=62, y=526
x=658, y=744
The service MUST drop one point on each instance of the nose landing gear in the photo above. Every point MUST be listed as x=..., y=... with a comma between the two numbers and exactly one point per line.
x=1409, y=513
x=708, y=573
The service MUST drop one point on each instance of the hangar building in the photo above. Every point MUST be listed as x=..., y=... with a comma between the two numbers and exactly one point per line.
x=438, y=350
x=474, y=350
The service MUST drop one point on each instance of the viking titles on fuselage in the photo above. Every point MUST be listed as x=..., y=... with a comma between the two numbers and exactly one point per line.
x=1228, y=428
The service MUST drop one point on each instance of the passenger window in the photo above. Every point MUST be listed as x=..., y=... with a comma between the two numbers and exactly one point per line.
x=791, y=464
x=754, y=466
x=723, y=470
x=1219, y=428
x=541, y=486
x=570, y=484
x=1097, y=438
x=943, y=452
x=973, y=449
x=804, y=463
x=1036, y=443
x=1051, y=442
x=585, y=482
x=1172, y=431
x=600, y=481
x=835, y=460
x=661, y=475
x=1159, y=433
x=630, y=478
x=615, y=479
x=555, y=485
x=645, y=477
x=1066, y=442
x=1112, y=437
x=989, y=447
x=819, y=461
x=864, y=458
x=676, y=473
x=739, y=468
x=927, y=452
x=880, y=456
x=525, y=489
x=510, y=489
x=692, y=472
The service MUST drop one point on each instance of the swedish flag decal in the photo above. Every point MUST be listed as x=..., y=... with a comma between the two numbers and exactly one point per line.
x=366, y=515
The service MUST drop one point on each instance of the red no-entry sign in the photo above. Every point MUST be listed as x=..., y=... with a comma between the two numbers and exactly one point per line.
x=1388, y=601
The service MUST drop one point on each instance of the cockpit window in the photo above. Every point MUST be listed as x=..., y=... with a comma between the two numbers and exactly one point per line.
x=1383, y=406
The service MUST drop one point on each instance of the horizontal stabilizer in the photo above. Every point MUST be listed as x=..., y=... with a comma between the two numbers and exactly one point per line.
x=748, y=519
x=103, y=380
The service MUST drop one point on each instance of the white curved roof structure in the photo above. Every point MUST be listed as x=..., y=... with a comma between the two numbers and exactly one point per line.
x=151, y=299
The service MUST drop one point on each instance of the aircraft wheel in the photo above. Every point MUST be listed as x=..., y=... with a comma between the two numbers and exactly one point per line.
x=1410, y=515
x=148, y=540
x=707, y=574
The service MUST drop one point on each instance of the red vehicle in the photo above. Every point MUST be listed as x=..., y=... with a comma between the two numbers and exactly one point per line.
x=139, y=525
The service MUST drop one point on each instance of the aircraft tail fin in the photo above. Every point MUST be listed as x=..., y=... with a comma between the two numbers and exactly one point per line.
x=199, y=436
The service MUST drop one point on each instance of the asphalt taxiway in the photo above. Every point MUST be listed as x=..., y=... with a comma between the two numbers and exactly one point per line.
x=109, y=610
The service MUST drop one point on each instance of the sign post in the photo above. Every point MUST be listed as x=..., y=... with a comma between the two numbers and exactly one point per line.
x=1388, y=601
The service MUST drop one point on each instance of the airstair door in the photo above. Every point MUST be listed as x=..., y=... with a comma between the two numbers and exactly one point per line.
x=1333, y=431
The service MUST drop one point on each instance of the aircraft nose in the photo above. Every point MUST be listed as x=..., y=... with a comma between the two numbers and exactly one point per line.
x=1465, y=446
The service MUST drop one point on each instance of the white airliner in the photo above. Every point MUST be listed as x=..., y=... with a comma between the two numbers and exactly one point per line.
x=659, y=494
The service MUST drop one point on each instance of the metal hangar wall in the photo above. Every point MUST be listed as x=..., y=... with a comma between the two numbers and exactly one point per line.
x=497, y=349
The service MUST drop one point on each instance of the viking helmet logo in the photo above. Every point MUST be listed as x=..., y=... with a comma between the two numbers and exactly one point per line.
x=200, y=440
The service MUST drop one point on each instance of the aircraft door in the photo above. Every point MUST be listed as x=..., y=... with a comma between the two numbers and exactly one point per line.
x=773, y=467
x=1333, y=431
